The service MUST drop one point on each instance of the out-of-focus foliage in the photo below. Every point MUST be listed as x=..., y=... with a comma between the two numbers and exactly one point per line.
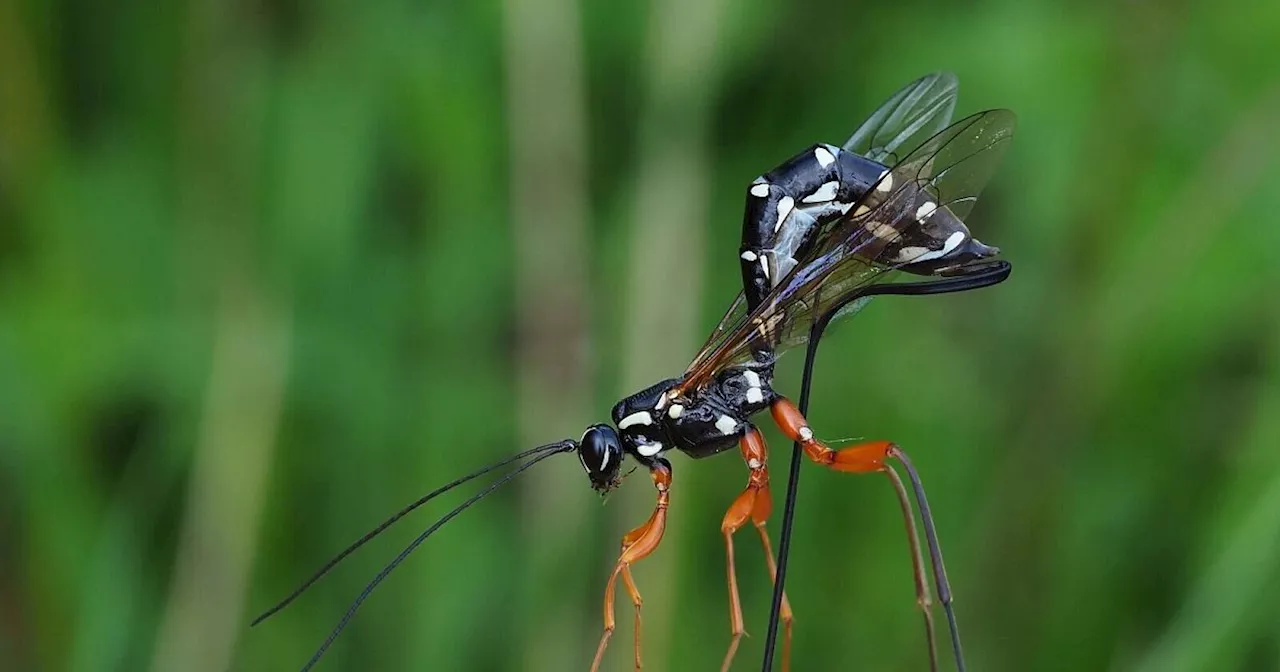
x=261, y=277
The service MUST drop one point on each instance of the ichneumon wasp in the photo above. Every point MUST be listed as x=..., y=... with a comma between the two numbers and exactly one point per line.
x=822, y=234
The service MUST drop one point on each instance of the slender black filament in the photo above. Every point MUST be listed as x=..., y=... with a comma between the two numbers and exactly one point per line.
x=392, y=520
x=935, y=555
x=553, y=449
x=793, y=485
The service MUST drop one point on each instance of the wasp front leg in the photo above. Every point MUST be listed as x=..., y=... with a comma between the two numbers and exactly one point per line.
x=636, y=545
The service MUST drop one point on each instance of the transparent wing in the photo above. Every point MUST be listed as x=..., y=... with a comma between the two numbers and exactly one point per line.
x=949, y=169
x=908, y=118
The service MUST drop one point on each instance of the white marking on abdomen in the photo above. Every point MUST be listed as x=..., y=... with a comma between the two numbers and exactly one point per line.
x=823, y=156
x=754, y=396
x=761, y=190
x=924, y=211
x=637, y=418
x=823, y=194
x=906, y=254
x=749, y=256
x=886, y=181
x=785, y=206
x=752, y=378
x=726, y=425
x=604, y=462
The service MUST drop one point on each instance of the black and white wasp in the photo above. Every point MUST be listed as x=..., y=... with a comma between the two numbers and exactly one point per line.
x=822, y=233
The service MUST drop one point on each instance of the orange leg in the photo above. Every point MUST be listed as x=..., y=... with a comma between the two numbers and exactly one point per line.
x=637, y=544
x=860, y=459
x=756, y=503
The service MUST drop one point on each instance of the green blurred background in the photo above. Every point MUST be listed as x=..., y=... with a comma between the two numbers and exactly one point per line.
x=269, y=271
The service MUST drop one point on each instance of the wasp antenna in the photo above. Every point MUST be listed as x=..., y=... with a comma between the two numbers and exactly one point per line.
x=555, y=447
x=549, y=450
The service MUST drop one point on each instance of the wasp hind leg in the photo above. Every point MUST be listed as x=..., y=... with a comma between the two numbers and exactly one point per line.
x=636, y=545
x=755, y=503
x=870, y=457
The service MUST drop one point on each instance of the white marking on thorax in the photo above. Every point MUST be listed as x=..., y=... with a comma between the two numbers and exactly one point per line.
x=925, y=211
x=886, y=181
x=649, y=449
x=764, y=266
x=662, y=401
x=637, y=418
x=823, y=194
x=748, y=256
x=761, y=190
x=675, y=411
x=823, y=156
x=726, y=425
x=785, y=206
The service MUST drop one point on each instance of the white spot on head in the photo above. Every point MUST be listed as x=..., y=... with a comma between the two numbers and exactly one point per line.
x=925, y=211
x=726, y=425
x=649, y=449
x=886, y=181
x=754, y=396
x=761, y=190
x=637, y=418
x=823, y=194
x=675, y=411
x=806, y=434
x=785, y=206
x=764, y=266
x=752, y=378
x=823, y=156
x=749, y=256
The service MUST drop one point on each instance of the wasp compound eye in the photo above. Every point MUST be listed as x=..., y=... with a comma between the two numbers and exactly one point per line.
x=600, y=452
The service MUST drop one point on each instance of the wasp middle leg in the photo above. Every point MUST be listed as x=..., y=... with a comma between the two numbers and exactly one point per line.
x=755, y=503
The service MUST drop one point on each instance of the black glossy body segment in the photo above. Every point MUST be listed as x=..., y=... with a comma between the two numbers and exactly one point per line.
x=807, y=192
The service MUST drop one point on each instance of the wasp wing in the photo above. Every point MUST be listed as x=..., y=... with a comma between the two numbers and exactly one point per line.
x=948, y=170
x=907, y=119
